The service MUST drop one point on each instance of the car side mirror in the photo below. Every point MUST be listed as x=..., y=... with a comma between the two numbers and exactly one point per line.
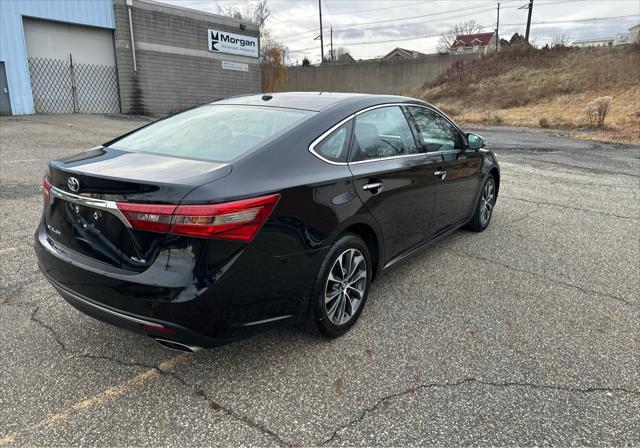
x=475, y=141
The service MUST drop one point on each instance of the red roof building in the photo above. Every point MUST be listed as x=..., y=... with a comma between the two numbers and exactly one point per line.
x=481, y=42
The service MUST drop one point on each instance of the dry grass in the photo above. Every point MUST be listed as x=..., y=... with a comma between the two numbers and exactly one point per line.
x=545, y=88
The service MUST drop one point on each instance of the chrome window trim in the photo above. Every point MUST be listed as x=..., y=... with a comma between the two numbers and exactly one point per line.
x=100, y=204
x=318, y=140
x=424, y=155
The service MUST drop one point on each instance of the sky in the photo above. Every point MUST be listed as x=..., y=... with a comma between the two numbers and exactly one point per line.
x=372, y=28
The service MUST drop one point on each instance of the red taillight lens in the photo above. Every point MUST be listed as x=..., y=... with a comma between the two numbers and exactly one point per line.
x=237, y=220
x=153, y=218
x=46, y=189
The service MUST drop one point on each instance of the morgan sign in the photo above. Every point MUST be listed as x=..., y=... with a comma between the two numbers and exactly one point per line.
x=223, y=42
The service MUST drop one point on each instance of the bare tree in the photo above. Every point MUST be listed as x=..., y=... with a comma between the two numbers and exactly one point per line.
x=447, y=39
x=560, y=40
x=251, y=12
x=339, y=52
x=272, y=53
x=272, y=65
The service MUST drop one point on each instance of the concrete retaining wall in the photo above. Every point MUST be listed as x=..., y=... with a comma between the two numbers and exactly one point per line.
x=394, y=77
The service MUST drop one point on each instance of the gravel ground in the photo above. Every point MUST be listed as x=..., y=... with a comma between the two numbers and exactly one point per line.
x=526, y=334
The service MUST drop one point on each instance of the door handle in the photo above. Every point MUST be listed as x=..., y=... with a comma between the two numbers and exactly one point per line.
x=441, y=174
x=373, y=187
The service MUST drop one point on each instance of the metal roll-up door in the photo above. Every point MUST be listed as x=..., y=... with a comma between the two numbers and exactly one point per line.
x=72, y=67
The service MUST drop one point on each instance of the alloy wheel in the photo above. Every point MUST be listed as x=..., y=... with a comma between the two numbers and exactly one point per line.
x=345, y=287
x=487, y=201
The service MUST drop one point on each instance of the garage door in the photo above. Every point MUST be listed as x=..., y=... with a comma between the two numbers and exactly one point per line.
x=72, y=67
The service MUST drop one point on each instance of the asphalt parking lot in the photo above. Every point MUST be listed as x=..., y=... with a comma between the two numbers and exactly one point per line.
x=527, y=334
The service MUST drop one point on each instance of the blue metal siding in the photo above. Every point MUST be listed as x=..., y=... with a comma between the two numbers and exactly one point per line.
x=13, y=49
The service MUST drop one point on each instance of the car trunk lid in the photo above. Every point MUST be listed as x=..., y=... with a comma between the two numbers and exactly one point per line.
x=83, y=209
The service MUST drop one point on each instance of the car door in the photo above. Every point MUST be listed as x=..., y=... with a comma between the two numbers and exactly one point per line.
x=393, y=176
x=459, y=169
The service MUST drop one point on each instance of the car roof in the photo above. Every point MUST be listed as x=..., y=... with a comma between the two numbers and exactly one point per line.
x=315, y=101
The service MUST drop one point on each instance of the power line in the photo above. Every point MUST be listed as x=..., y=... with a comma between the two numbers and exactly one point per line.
x=482, y=27
x=355, y=26
x=297, y=19
x=484, y=7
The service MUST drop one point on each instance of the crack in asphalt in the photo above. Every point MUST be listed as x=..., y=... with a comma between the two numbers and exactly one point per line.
x=570, y=207
x=413, y=390
x=217, y=407
x=554, y=180
x=213, y=405
x=48, y=327
x=579, y=167
x=536, y=274
x=12, y=290
x=85, y=355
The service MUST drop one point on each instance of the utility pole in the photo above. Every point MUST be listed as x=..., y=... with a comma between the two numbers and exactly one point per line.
x=526, y=36
x=321, y=42
x=333, y=56
x=497, y=29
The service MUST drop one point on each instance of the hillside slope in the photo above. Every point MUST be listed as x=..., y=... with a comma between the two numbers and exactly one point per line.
x=549, y=87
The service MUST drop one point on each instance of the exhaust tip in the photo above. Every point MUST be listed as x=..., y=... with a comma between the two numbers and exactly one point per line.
x=173, y=345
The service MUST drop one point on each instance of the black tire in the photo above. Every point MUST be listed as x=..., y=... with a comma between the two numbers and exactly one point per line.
x=480, y=221
x=320, y=319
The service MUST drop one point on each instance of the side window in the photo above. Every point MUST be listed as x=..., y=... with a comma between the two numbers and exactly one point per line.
x=382, y=132
x=436, y=133
x=335, y=146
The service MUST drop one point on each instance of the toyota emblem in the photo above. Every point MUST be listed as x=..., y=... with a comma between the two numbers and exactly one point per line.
x=73, y=184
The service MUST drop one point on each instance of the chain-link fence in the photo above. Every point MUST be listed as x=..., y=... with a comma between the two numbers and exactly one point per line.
x=61, y=86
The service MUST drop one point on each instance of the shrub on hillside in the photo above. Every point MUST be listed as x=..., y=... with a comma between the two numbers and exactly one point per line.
x=491, y=117
x=522, y=75
x=597, y=111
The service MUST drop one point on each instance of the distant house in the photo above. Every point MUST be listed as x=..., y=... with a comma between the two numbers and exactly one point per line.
x=634, y=34
x=594, y=42
x=345, y=58
x=474, y=43
x=618, y=39
x=401, y=53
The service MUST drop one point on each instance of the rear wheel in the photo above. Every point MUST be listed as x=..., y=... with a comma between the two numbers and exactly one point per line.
x=484, y=208
x=342, y=287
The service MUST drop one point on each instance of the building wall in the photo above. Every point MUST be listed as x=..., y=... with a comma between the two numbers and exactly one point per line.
x=13, y=52
x=175, y=70
x=392, y=77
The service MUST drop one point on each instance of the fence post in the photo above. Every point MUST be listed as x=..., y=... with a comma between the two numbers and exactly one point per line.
x=74, y=93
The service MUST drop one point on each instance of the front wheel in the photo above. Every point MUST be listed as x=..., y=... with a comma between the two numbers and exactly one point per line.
x=342, y=287
x=484, y=207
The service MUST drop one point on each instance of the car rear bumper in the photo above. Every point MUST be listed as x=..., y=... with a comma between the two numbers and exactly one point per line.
x=254, y=292
x=160, y=330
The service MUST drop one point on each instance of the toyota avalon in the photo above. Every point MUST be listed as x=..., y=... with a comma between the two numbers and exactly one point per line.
x=226, y=219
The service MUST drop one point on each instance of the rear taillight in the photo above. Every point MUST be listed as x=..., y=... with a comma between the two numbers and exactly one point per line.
x=237, y=220
x=46, y=189
x=154, y=218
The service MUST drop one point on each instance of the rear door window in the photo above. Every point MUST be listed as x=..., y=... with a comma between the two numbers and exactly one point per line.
x=382, y=132
x=214, y=132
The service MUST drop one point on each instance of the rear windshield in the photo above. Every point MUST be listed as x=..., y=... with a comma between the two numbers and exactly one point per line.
x=215, y=132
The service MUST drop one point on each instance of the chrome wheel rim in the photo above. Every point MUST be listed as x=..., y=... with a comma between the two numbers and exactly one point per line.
x=345, y=287
x=486, y=202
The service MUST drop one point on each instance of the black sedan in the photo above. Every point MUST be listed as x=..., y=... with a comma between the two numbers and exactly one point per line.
x=220, y=221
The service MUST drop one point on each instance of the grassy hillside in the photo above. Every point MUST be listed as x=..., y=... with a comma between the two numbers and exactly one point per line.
x=548, y=88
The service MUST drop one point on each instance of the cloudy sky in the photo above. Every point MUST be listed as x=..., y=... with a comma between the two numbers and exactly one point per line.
x=371, y=28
